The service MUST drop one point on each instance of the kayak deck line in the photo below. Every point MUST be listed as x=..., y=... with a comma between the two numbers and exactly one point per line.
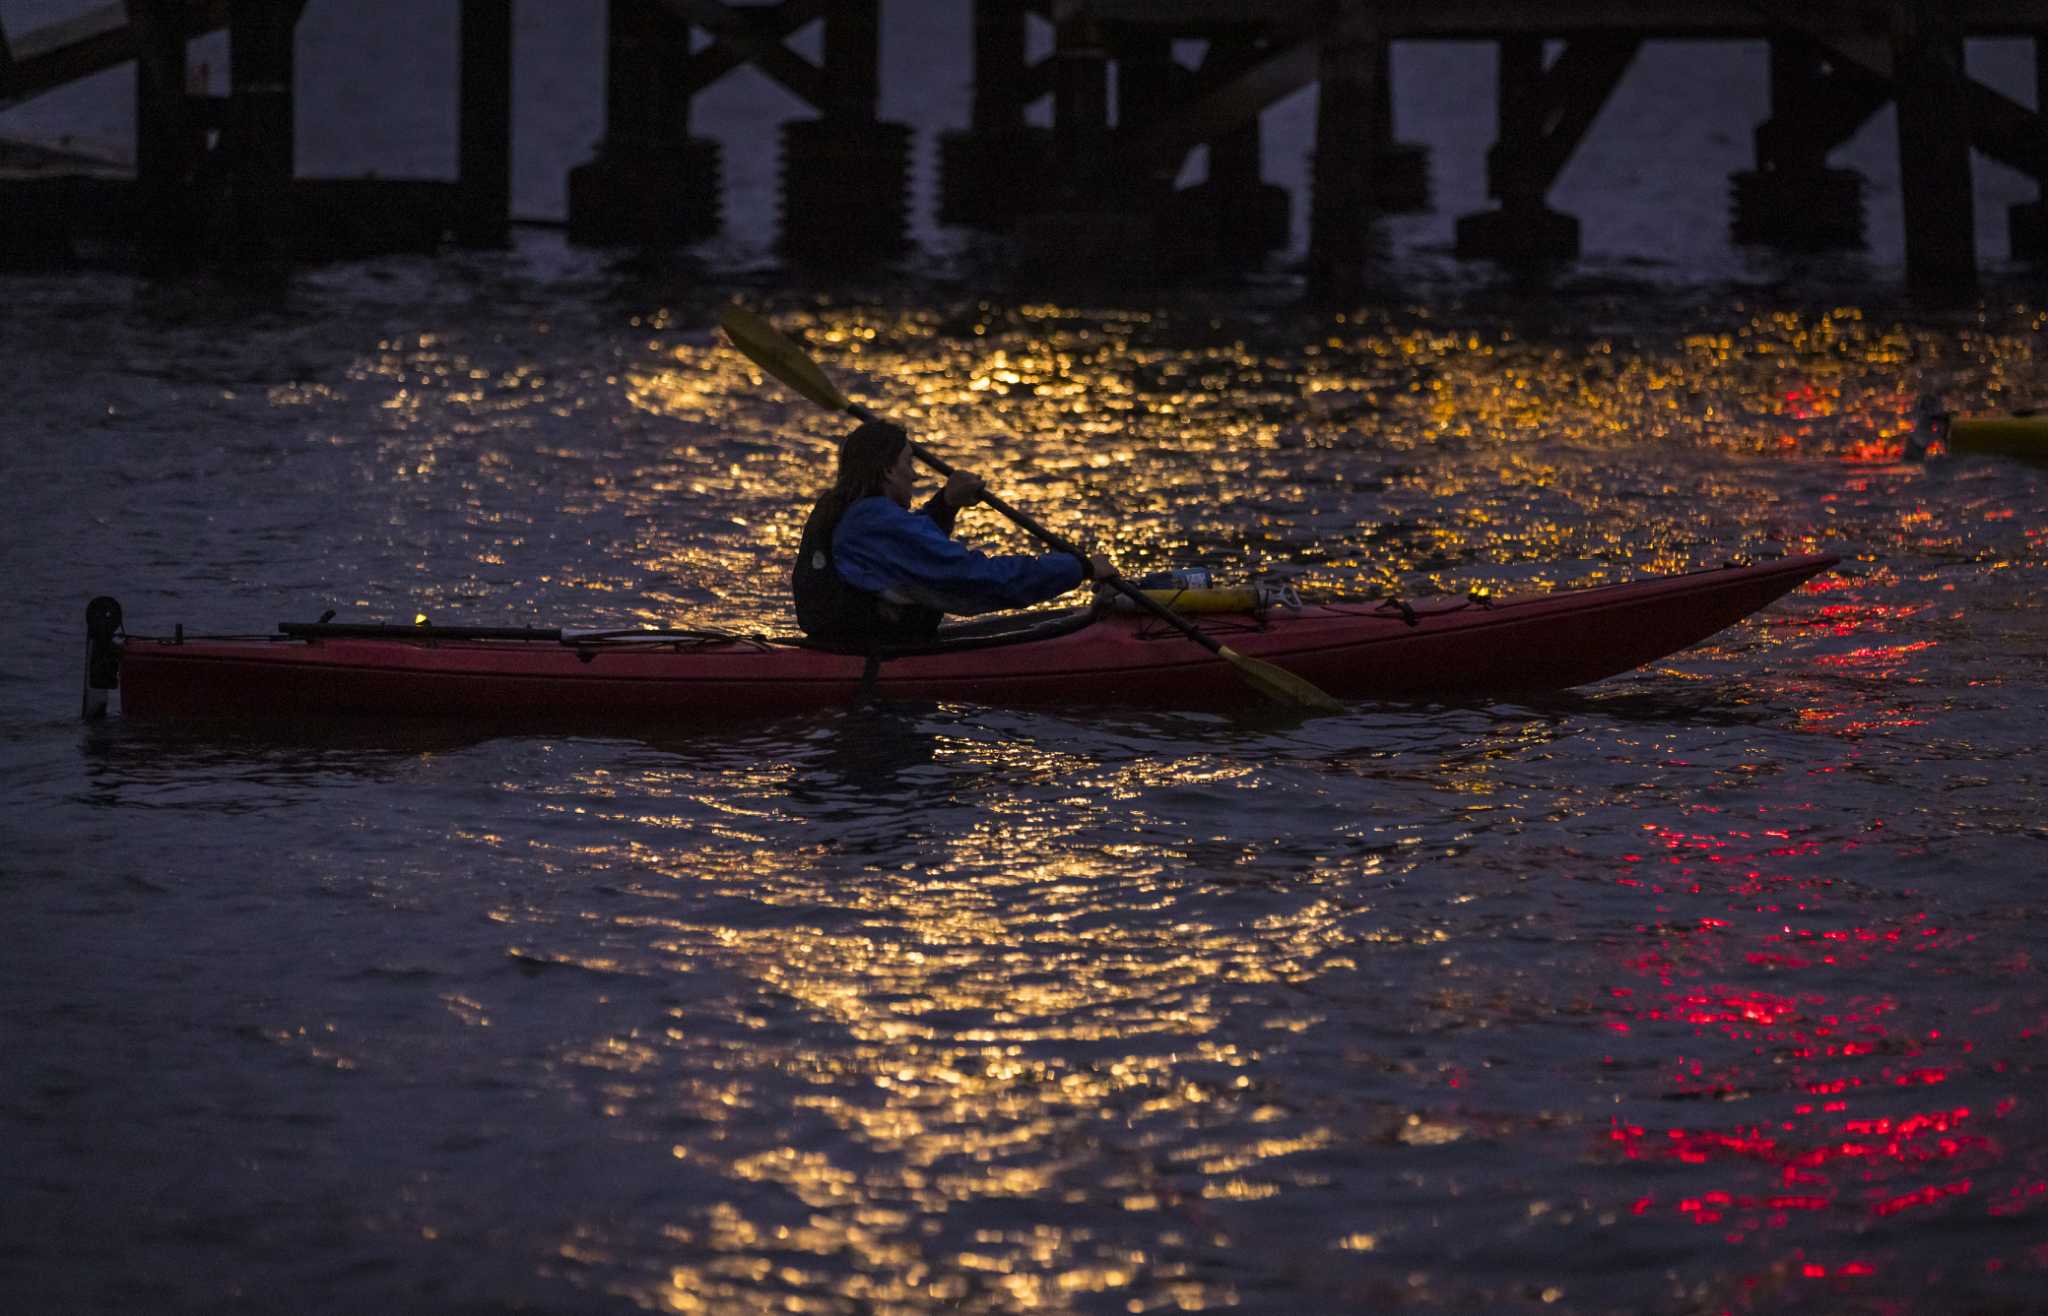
x=1498, y=611
x=1360, y=650
x=315, y=630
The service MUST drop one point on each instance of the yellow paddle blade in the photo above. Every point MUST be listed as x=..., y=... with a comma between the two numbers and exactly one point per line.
x=767, y=348
x=1276, y=683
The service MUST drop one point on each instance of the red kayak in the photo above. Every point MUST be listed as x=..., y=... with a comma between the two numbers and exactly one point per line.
x=1352, y=650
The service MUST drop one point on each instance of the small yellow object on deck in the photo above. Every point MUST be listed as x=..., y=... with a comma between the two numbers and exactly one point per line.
x=2022, y=435
x=1191, y=601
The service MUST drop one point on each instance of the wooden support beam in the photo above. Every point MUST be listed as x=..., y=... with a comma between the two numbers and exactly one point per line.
x=1540, y=120
x=1000, y=66
x=1148, y=80
x=484, y=119
x=163, y=140
x=1790, y=138
x=852, y=75
x=1236, y=154
x=646, y=105
x=1081, y=104
x=1489, y=20
x=166, y=147
x=754, y=35
x=1236, y=159
x=1934, y=159
x=652, y=183
x=1517, y=114
x=2027, y=221
x=1039, y=79
x=2041, y=73
x=2041, y=100
x=260, y=144
x=1383, y=100
x=1340, y=209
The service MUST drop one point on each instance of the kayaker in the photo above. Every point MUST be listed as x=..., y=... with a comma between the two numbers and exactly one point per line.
x=871, y=572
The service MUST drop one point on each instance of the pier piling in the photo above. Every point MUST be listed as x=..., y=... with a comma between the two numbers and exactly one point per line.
x=1934, y=147
x=1341, y=185
x=652, y=183
x=1400, y=171
x=992, y=173
x=1235, y=217
x=2029, y=219
x=484, y=209
x=1248, y=215
x=167, y=148
x=260, y=149
x=1544, y=111
x=1086, y=225
x=1792, y=199
x=1094, y=194
x=845, y=174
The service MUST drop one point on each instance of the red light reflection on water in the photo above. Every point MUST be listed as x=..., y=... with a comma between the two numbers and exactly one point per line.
x=1839, y=1082
x=1874, y=659
x=1843, y=619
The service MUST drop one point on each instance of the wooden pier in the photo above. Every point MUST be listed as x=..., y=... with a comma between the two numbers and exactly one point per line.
x=1092, y=190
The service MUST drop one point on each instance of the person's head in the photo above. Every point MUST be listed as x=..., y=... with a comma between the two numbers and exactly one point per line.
x=875, y=459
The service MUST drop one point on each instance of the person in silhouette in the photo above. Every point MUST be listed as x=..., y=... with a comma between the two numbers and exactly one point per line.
x=871, y=573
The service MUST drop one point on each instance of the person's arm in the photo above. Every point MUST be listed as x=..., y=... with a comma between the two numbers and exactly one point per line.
x=883, y=549
x=942, y=513
x=962, y=488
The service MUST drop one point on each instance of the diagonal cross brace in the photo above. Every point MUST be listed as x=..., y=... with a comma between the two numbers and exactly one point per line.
x=752, y=34
x=1826, y=111
x=1999, y=126
x=45, y=58
x=2008, y=131
x=1289, y=62
x=1556, y=114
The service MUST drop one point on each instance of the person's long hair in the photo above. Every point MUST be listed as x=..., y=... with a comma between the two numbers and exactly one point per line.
x=865, y=458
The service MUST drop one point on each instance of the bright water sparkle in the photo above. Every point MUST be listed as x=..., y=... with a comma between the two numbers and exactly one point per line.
x=1710, y=987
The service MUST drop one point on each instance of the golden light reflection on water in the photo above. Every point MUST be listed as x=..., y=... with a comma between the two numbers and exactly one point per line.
x=1361, y=458
x=1062, y=1030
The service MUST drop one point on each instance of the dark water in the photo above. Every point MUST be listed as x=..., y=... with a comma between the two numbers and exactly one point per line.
x=1713, y=987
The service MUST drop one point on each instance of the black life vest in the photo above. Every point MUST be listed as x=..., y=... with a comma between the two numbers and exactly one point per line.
x=831, y=611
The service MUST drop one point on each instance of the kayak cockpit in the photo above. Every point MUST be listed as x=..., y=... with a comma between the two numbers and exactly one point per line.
x=984, y=633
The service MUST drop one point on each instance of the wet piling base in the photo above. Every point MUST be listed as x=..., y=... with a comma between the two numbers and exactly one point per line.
x=1400, y=178
x=2029, y=221
x=68, y=221
x=1227, y=229
x=1798, y=210
x=62, y=221
x=989, y=179
x=845, y=189
x=648, y=197
x=1518, y=236
x=1001, y=182
x=1060, y=249
x=1210, y=230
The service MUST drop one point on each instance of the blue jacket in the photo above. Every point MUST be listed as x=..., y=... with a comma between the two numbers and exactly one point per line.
x=906, y=557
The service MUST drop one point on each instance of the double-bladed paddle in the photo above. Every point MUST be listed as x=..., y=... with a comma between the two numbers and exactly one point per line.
x=779, y=356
